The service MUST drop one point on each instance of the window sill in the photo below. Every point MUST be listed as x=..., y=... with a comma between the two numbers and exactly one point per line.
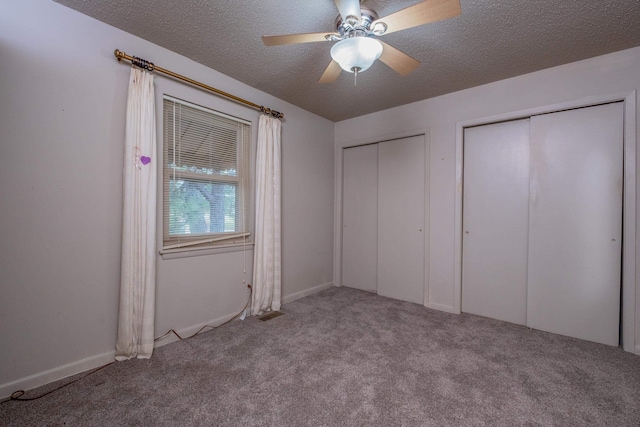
x=208, y=250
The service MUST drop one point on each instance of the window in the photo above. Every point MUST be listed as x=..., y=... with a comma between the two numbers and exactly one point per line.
x=206, y=177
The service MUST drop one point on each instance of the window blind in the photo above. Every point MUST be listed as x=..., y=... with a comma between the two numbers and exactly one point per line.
x=206, y=176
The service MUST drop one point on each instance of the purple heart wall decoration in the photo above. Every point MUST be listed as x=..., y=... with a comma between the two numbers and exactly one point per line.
x=145, y=160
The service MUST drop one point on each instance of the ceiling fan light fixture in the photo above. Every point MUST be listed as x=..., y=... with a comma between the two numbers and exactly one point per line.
x=356, y=53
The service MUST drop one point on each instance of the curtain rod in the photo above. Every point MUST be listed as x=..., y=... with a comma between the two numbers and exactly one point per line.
x=143, y=63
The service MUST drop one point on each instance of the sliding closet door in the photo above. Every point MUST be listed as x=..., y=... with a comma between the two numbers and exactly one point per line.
x=575, y=223
x=360, y=217
x=401, y=205
x=495, y=221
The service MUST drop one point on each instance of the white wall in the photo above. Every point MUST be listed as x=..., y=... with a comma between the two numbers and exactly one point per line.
x=62, y=101
x=597, y=77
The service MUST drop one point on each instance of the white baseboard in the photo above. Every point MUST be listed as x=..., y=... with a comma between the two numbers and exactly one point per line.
x=441, y=307
x=55, y=374
x=301, y=294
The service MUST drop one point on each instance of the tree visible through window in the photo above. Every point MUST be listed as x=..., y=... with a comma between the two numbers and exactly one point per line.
x=198, y=207
x=206, y=176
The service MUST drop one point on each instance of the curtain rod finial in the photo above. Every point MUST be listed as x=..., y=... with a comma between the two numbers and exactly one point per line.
x=119, y=55
x=272, y=113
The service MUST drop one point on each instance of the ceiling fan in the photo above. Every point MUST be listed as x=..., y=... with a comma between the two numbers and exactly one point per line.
x=357, y=31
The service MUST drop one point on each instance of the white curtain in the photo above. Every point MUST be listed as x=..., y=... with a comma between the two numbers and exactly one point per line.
x=138, y=267
x=266, y=265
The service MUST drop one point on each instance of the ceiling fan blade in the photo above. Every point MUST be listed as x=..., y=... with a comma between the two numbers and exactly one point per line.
x=420, y=14
x=331, y=74
x=348, y=8
x=295, y=38
x=399, y=61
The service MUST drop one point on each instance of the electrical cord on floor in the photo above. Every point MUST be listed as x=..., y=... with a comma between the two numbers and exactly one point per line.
x=17, y=395
x=172, y=331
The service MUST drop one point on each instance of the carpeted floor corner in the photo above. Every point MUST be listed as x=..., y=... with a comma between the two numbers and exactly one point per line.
x=349, y=358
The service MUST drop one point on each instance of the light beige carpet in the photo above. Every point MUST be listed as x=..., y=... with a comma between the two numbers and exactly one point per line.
x=349, y=358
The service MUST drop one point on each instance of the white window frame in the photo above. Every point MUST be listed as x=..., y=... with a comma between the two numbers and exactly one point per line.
x=220, y=241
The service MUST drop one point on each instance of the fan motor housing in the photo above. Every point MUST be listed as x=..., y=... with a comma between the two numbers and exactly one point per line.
x=352, y=25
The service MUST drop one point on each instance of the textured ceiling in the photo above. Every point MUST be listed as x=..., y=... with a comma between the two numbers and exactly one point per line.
x=491, y=40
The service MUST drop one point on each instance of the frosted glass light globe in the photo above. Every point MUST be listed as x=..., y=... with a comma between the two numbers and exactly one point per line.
x=356, y=53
